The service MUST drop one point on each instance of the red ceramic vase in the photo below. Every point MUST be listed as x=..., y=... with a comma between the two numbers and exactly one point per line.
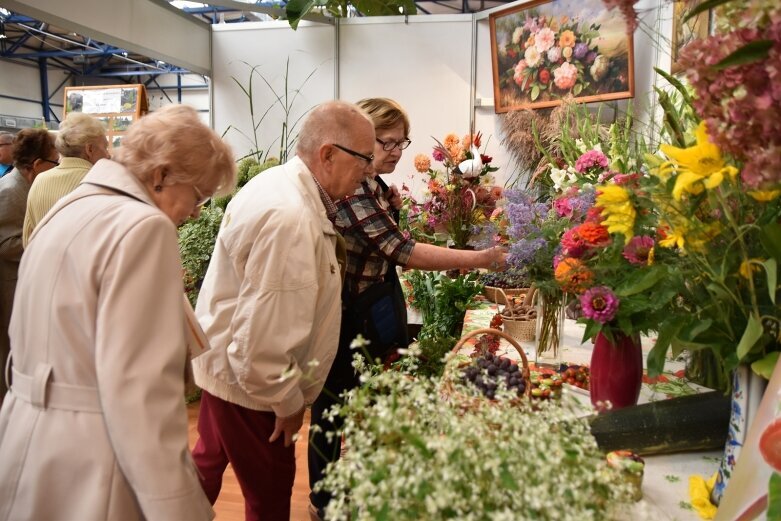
x=616, y=371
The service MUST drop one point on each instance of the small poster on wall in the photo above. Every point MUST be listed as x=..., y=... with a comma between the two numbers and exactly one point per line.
x=544, y=51
x=102, y=101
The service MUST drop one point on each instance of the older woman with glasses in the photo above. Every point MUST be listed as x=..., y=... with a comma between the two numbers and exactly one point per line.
x=94, y=425
x=33, y=152
x=81, y=142
x=372, y=301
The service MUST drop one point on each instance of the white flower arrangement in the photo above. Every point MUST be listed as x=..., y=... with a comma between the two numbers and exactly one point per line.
x=415, y=454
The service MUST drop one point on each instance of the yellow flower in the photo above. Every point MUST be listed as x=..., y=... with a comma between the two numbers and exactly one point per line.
x=617, y=210
x=567, y=39
x=699, y=166
x=675, y=237
x=764, y=196
x=651, y=257
x=699, y=494
x=749, y=266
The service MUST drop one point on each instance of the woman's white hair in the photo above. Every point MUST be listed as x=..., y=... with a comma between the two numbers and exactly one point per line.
x=76, y=132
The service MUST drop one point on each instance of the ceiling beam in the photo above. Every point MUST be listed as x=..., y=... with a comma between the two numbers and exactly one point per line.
x=148, y=27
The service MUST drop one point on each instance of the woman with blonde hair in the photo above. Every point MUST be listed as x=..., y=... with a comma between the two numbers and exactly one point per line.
x=94, y=425
x=81, y=142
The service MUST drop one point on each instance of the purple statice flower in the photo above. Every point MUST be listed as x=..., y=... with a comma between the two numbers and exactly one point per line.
x=580, y=50
x=523, y=251
x=599, y=304
x=581, y=203
x=591, y=159
x=638, y=250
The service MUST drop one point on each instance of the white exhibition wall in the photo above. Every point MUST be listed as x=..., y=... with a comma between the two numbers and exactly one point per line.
x=423, y=62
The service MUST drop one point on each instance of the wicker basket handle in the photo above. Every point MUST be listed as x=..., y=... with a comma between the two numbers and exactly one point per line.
x=508, y=304
x=489, y=331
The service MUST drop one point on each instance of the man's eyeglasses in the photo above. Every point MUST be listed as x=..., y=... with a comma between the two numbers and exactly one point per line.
x=55, y=163
x=390, y=145
x=353, y=153
x=200, y=198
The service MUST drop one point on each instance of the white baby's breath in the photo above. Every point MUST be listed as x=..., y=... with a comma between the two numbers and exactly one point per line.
x=415, y=452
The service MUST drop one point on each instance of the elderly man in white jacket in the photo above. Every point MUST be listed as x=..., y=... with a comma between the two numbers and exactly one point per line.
x=270, y=306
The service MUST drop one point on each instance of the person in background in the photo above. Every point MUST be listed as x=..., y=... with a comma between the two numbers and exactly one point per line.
x=94, y=425
x=373, y=302
x=81, y=142
x=6, y=152
x=270, y=307
x=33, y=153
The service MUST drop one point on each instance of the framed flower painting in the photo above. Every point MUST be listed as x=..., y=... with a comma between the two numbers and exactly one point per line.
x=547, y=50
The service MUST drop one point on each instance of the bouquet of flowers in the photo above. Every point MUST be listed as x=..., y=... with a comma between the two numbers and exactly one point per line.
x=458, y=199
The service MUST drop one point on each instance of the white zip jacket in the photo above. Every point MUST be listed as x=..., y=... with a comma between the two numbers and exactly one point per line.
x=271, y=300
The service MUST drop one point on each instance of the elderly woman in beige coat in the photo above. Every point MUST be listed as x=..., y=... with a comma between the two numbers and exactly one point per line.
x=94, y=426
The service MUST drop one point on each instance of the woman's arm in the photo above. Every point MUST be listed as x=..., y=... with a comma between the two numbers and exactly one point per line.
x=429, y=257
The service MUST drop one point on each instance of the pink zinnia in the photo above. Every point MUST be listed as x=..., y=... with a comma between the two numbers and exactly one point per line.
x=639, y=249
x=572, y=244
x=599, y=304
x=591, y=159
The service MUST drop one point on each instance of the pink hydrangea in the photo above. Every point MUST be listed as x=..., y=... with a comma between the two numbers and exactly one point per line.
x=565, y=76
x=599, y=304
x=589, y=160
x=741, y=104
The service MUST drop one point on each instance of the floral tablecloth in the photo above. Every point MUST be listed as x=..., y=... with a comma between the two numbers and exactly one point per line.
x=666, y=480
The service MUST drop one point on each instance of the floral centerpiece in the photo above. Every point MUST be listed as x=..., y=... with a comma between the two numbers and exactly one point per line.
x=414, y=454
x=456, y=200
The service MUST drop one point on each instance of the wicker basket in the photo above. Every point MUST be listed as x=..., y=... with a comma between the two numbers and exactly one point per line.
x=498, y=295
x=521, y=327
x=468, y=402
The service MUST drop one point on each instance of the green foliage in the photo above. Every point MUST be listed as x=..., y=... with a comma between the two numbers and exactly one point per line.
x=284, y=99
x=442, y=301
x=296, y=10
x=196, y=243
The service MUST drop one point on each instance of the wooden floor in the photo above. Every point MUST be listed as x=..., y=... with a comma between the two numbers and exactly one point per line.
x=230, y=504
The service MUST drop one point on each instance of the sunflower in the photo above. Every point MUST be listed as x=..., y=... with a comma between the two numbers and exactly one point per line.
x=698, y=167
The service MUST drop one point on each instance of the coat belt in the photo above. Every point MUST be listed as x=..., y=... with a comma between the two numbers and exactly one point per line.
x=42, y=393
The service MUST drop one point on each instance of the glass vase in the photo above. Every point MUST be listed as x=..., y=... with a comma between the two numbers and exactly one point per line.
x=616, y=371
x=550, y=329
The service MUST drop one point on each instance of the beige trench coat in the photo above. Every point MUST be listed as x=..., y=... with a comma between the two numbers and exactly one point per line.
x=95, y=426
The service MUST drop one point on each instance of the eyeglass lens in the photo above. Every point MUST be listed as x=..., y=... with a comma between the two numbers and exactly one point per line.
x=390, y=145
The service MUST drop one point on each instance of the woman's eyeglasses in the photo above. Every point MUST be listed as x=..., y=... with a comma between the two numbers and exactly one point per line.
x=55, y=163
x=390, y=145
x=353, y=153
x=200, y=199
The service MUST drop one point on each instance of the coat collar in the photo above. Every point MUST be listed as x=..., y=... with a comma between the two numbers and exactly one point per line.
x=114, y=176
x=306, y=180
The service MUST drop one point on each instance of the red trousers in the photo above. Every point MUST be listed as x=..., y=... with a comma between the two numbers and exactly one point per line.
x=265, y=471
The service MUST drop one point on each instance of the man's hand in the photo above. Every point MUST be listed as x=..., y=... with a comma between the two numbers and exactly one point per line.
x=497, y=258
x=393, y=197
x=290, y=425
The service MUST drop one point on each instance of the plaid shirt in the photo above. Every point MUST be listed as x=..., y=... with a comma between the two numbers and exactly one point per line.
x=373, y=237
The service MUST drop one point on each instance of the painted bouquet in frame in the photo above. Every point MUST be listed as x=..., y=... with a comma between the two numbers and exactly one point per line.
x=545, y=50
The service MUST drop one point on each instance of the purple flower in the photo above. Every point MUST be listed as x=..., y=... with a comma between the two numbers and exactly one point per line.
x=438, y=155
x=639, y=250
x=591, y=57
x=580, y=50
x=589, y=160
x=599, y=304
